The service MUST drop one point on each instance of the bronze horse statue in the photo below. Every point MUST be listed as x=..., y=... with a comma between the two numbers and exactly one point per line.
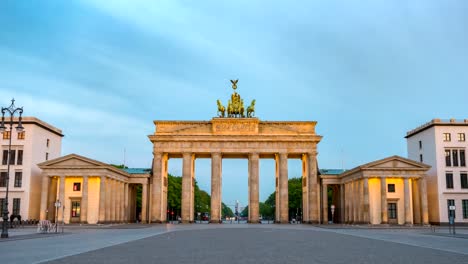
x=221, y=109
x=251, y=109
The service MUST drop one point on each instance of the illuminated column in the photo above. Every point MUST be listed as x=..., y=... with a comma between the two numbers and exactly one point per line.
x=424, y=208
x=254, y=188
x=314, y=192
x=283, y=188
x=407, y=199
x=342, y=203
x=61, y=197
x=84, y=201
x=277, y=193
x=102, y=199
x=305, y=189
x=108, y=207
x=366, y=206
x=187, y=185
x=44, y=196
x=383, y=200
x=216, y=172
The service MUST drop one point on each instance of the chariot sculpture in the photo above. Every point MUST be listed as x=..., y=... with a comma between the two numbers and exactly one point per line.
x=235, y=107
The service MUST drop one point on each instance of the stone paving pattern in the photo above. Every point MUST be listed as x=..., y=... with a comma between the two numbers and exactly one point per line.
x=238, y=243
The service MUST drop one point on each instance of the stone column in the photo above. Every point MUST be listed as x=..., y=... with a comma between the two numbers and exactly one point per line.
x=52, y=198
x=424, y=208
x=187, y=186
x=407, y=198
x=324, y=203
x=366, y=208
x=305, y=190
x=277, y=193
x=84, y=201
x=144, y=198
x=119, y=201
x=216, y=164
x=355, y=202
x=108, y=208
x=192, y=191
x=360, y=204
x=283, y=188
x=61, y=198
x=383, y=201
x=114, y=201
x=416, y=201
x=157, y=192
x=313, y=189
x=126, y=218
x=342, y=203
x=102, y=199
x=254, y=208
x=44, y=196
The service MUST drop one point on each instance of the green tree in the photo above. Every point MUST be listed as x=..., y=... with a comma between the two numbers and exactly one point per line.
x=227, y=212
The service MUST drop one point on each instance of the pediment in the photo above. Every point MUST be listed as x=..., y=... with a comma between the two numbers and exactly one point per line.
x=72, y=160
x=395, y=162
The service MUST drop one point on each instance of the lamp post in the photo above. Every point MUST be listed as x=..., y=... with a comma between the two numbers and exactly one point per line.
x=12, y=109
x=57, y=204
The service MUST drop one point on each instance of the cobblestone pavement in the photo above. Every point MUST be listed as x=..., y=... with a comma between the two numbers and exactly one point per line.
x=211, y=243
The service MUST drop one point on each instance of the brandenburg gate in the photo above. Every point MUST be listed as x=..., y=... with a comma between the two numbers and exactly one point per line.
x=235, y=133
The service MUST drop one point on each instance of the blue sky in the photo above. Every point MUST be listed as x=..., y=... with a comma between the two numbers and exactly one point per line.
x=367, y=71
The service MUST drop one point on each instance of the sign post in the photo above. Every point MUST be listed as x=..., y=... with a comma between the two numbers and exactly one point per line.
x=57, y=204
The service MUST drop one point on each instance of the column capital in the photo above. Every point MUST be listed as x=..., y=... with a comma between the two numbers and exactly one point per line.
x=283, y=155
x=312, y=153
x=216, y=154
x=254, y=155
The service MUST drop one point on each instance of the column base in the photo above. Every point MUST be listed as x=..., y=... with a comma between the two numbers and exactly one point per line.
x=254, y=222
x=186, y=222
x=282, y=222
x=384, y=223
x=216, y=222
x=408, y=224
x=313, y=222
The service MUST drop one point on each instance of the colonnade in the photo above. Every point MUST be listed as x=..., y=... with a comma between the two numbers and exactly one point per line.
x=357, y=205
x=159, y=187
x=116, y=201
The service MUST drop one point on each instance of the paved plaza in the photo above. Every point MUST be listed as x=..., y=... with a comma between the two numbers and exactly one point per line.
x=235, y=243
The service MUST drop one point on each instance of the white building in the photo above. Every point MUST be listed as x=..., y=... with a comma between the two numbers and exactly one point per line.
x=442, y=144
x=37, y=143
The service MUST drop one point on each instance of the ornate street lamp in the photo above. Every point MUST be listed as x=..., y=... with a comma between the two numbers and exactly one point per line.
x=12, y=109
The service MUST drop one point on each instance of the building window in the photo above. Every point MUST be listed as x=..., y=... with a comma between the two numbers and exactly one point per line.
x=455, y=157
x=21, y=135
x=420, y=157
x=451, y=202
x=47, y=142
x=3, y=179
x=5, y=157
x=446, y=136
x=461, y=136
x=448, y=158
x=16, y=206
x=77, y=186
x=465, y=208
x=392, y=210
x=449, y=180
x=6, y=135
x=75, y=211
x=47, y=156
x=391, y=188
x=464, y=180
x=18, y=179
x=20, y=157
x=420, y=144
x=462, y=158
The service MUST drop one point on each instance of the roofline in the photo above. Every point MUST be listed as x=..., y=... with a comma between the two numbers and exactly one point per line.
x=436, y=122
x=30, y=120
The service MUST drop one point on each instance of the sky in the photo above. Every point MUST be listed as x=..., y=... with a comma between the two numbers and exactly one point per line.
x=366, y=71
